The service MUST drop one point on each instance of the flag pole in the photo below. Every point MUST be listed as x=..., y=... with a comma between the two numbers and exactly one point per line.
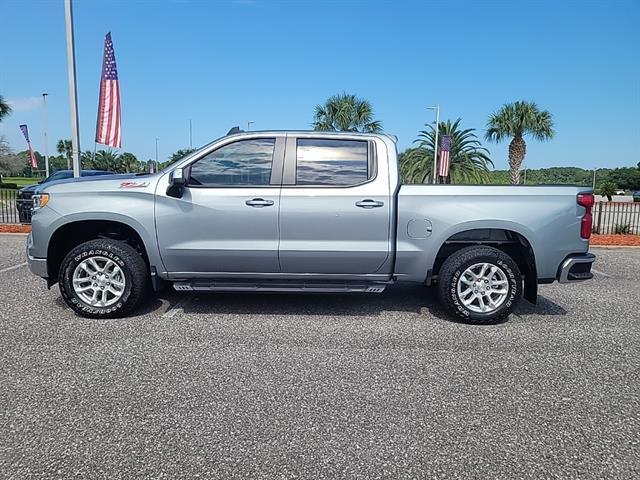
x=46, y=139
x=435, y=149
x=73, y=94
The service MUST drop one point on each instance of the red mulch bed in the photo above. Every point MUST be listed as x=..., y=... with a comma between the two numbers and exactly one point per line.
x=615, y=240
x=14, y=228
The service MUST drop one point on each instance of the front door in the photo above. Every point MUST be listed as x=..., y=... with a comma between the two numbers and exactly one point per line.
x=334, y=207
x=227, y=219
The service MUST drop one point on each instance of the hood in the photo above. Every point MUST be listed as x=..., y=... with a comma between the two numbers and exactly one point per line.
x=102, y=183
x=29, y=188
x=116, y=176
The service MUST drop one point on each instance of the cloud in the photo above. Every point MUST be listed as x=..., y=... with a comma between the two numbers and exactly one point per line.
x=25, y=104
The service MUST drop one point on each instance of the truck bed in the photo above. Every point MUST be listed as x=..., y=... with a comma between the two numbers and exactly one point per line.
x=548, y=217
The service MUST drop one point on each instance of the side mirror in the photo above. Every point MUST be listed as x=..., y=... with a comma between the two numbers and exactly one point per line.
x=177, y=182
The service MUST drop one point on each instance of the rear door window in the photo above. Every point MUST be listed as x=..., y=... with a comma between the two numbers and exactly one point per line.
x=332, y=162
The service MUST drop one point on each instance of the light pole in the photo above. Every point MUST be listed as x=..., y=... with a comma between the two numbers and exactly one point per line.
x=594, y=179
x=525, y=175
x=249, y=126
x=190, y=136
x=435, y=150
x=46, y=140
x=73, y=93
x=156, y=169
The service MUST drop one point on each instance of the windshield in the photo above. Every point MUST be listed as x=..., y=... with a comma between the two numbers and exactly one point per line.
x=59, y=175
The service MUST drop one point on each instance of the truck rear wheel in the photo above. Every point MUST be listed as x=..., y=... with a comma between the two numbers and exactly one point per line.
x=480, y=284
x=103, y=278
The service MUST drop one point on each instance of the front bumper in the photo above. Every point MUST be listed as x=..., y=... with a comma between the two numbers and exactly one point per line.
x=576, y=268
x=37, y=266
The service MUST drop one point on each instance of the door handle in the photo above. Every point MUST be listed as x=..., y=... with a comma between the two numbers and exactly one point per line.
x=368, y=203
x=259, y=202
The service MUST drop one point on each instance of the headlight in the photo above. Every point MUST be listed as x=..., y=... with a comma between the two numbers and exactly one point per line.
x=40, y=201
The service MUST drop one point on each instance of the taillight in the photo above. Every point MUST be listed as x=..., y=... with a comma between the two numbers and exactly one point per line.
x=586, y=200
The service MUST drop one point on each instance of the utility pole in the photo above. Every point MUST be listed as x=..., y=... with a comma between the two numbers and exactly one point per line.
x=525, y=175
x=156, y=169
x=46, y=139
x=249, y=126
x=594, y=179
x=190, y=136
x=435, y=150
x=73, y=93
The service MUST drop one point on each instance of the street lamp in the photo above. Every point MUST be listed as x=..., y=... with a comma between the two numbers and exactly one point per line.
x=46, y=140
x=435, y=150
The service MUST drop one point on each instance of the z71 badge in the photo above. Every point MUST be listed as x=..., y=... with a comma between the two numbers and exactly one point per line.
x=134, y=184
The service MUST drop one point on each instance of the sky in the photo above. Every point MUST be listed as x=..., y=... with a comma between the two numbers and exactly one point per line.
x=225, y=63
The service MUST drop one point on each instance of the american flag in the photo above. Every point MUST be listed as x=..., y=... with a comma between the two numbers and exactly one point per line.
x=108, y=126
x=445, y=146
x=25, y=132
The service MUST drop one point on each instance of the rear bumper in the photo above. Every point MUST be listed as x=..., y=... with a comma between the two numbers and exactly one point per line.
x=576, y=268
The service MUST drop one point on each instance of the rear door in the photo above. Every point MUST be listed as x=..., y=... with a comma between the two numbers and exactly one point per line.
x=227, y=219
x=334, y=207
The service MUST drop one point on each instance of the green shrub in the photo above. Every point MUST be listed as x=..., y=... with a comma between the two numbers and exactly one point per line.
x=622, y=229
x=12, y=186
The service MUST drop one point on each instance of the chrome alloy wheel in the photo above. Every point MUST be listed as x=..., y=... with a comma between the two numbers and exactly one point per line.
x=483, y=287
x=98, y=281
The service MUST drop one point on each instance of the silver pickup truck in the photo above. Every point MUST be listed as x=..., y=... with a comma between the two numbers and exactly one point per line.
x=305, y=212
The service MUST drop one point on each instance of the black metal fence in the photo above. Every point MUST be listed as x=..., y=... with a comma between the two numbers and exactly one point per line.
x=616, y=218
x=8, y=212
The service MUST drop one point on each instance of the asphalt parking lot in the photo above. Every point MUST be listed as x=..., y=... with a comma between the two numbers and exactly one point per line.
x=312, y=386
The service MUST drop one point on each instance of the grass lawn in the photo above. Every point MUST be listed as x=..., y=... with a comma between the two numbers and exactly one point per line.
x=21, y=181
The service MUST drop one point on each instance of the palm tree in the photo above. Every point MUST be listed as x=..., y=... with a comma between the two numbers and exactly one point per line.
x=346, y=113
x=608, y=189
x=515, y=120
x=65, y=147
x=469, y=160
x=5, y=108
x=107, y=160
x=129, y=163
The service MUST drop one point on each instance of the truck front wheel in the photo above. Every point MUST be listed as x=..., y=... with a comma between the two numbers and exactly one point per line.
x=480, y=284
x=103, y=278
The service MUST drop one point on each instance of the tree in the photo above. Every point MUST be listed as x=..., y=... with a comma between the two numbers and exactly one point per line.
x=178, y=154
x=129, y=163
x=86, y=160
x=346, y=113
x=608, y=189
x=107, y=160
x=10, y=164
x=65, y=147
x=469, y=160
x=515, y=121
x=5, y=108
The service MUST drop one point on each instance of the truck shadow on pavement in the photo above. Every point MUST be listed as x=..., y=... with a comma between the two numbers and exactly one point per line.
x=416, y=300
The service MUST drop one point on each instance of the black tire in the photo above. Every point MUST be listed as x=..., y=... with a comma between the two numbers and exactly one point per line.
x=454, y=266
x=126, y=257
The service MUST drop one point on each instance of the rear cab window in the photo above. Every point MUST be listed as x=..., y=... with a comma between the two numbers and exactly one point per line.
x=333, y=162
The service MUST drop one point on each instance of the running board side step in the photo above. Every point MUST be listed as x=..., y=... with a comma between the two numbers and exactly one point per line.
x=278, y=286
